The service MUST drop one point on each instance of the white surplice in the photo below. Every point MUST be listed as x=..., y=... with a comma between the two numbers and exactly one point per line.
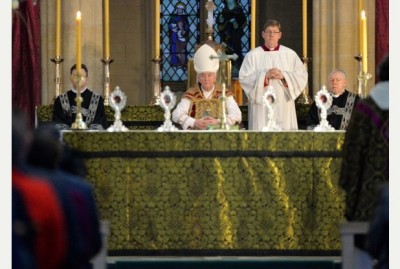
x=252, y=75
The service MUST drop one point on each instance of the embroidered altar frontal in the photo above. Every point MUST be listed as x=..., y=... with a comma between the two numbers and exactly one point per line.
x=233, y=193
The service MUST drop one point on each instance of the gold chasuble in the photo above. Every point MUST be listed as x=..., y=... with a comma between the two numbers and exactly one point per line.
x=202, y=107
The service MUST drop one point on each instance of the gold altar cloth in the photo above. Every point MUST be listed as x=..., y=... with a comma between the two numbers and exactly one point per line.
x=214, y=190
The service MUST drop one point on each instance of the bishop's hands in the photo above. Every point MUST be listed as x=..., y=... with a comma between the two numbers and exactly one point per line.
x=203, y=123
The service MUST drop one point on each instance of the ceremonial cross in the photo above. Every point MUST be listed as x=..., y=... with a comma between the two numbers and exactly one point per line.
x=223, y=57
x=210, y=7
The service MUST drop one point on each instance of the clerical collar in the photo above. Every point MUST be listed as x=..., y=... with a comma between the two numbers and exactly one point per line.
x=75, y=91
x=337, y=95
x=265, y=48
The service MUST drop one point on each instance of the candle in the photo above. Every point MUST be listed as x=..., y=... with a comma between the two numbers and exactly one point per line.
x=360, y=2
x=157, y=25
x=106, y=29
x=238, y=92
x=58, y=27
x=253, y=25
x=364, y=42
x=305, y=28
x=78, y=43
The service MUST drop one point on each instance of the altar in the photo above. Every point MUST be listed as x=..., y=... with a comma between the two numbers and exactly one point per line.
x=215, y=192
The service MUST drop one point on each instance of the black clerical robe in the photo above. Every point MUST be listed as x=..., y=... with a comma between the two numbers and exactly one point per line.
x=92, y=109
x=338, y=115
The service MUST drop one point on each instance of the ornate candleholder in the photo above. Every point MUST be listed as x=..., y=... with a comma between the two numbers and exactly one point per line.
x=167, y=102
x=323, y=100
x=225, y=66
x=117, y=101
x=269, y=100
x=106, y=91
x=362, y=78
x=210, y=7
x=223, y=121
x=57, y=79
x=79, y=124
x=156, y=82
x=304, y=98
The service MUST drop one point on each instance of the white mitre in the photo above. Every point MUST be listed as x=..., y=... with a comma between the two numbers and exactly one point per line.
x=203, y=62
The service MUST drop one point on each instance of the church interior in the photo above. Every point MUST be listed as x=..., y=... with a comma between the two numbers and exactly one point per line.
x=242, y=199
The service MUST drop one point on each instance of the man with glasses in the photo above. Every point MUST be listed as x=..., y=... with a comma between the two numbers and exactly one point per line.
x=92, y=106
x=272, y=64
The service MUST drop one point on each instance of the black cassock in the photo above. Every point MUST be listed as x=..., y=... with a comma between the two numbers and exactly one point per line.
x=92, y=110
x=338, y=115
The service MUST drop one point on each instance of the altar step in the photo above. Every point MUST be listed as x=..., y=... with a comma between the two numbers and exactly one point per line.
x=224, y=262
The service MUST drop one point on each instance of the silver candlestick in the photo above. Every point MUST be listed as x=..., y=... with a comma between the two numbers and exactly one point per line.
x=223, y=121
x=106, y=91
x=79, y=124
x=304, y=98
x=156, y=82
x=362, y=78
x=57, y=79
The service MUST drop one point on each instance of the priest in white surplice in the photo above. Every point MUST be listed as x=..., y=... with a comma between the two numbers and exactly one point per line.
x=278, y=66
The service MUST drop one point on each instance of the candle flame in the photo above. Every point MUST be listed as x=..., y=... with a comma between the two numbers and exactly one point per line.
x=363, y=14
x=78, y=15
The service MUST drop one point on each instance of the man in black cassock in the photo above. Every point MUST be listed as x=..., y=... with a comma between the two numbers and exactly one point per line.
x=92, y=106
x=343, y=101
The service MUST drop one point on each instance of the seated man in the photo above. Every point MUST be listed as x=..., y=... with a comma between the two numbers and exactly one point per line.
x=92, y=106
x=200, y=106
x=343, y=101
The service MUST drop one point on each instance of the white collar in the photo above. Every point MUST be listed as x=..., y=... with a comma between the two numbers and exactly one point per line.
x=75, y=91
x=207, y=94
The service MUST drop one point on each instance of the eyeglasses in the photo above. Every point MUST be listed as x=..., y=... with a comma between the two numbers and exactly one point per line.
x=271, y=33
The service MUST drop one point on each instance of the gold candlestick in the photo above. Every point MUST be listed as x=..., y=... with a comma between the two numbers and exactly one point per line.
x=223, y=121
x=106, y=89
x=79, y=124
x=304, y=98
x=156, y=82
x=57, y=79
x=362, y=78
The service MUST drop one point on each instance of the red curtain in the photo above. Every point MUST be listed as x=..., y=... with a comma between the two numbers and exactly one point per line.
x=381, y=30
x=26, y=73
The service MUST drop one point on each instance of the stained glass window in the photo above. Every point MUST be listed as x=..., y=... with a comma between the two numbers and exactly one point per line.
x=232, y=27
x=180, y=29
x=180, y=32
